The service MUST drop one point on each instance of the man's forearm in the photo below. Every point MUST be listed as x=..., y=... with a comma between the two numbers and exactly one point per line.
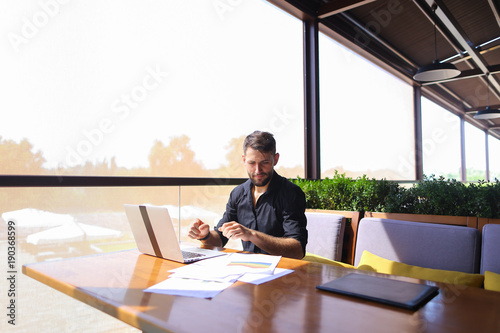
x=286, y=247
x=213, y=239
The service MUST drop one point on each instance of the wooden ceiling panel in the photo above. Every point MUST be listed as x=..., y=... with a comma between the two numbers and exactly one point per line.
x=403, y=38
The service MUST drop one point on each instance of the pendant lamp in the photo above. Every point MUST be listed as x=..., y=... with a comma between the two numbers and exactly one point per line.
x=487, y=113
x=436, y=71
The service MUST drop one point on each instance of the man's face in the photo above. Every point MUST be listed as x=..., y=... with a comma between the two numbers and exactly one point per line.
x=259, y=166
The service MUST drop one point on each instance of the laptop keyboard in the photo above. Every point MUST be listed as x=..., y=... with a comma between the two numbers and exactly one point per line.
x=191, y=255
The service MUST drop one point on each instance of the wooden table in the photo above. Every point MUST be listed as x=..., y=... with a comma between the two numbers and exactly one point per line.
x=114, y=283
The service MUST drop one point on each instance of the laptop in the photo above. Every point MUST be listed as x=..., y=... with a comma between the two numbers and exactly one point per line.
x=154, y=234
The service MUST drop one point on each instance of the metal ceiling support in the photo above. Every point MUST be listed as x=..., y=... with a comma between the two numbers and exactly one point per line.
x=492, y=130
x=339, y=6
x=311, y=100
x=495, y=10
x=300, y=9
x=480, y=49
x=446, y=18
x=474, y=110
x=452, y=25
x=469, y=74
x=426, y=7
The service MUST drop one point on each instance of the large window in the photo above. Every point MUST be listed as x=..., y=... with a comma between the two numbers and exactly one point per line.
x=142, y=88
x=494, y=156
x=366, y=117
x=475, y=153
x=152, y=87
x=57, y=223
x=440, y=141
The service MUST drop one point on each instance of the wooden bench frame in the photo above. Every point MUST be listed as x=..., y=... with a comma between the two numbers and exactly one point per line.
x=350, y=232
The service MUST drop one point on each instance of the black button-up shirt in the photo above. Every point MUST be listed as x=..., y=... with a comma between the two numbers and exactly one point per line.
x=279, y=211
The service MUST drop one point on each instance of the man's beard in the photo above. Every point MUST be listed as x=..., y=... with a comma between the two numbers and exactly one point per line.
x=263, y=182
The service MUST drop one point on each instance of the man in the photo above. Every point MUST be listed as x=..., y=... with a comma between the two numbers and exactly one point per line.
x=266, y=212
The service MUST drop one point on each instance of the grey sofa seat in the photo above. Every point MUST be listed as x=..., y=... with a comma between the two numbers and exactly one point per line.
x=430, y=245
x=490, y=254
x=326, y=234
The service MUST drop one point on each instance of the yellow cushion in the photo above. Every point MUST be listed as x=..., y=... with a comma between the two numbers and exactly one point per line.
x=372, y=262
x=322, y=260
x=491, y=281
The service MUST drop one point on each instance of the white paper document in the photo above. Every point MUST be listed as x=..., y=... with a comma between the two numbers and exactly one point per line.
x=260, y=278
x=189, y=287
x=207, y=278
x=252, y=263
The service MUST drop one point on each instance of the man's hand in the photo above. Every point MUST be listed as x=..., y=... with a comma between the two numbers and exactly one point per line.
x=198, y=229
x=282, y=246
x=236, y=231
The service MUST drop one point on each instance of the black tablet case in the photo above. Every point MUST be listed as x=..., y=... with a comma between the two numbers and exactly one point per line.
x=384, y=290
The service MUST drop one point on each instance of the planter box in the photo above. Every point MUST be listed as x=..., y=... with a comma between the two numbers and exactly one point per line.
x=482, y=221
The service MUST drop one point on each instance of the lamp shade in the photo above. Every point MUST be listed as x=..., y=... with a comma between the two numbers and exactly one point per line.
x=487, y=113
x=436, y=72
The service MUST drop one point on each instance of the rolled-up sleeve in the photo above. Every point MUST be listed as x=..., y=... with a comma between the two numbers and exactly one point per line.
x=294, y=218
x=231, y=213
x=280, y=212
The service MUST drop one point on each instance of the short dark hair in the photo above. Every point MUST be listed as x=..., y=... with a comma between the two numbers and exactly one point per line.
x=261, y=141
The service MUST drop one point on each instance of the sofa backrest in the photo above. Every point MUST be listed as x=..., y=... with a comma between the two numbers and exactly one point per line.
x=326, y=234
x=490, y=254
x=430, y=245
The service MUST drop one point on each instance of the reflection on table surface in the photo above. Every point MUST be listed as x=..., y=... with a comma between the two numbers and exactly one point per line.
x=114, y=283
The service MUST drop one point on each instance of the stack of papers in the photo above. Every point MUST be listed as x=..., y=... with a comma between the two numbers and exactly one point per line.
x=207, y=278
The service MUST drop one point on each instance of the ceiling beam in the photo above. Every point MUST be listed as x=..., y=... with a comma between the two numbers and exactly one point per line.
x=494, y=69
x=468, y=74
x=339, y=6
x=456, y=30
x=470, y=110
x=426, y=7
x=444, y=17
x=495, y=10
x=302, y=10
x=482, y=50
